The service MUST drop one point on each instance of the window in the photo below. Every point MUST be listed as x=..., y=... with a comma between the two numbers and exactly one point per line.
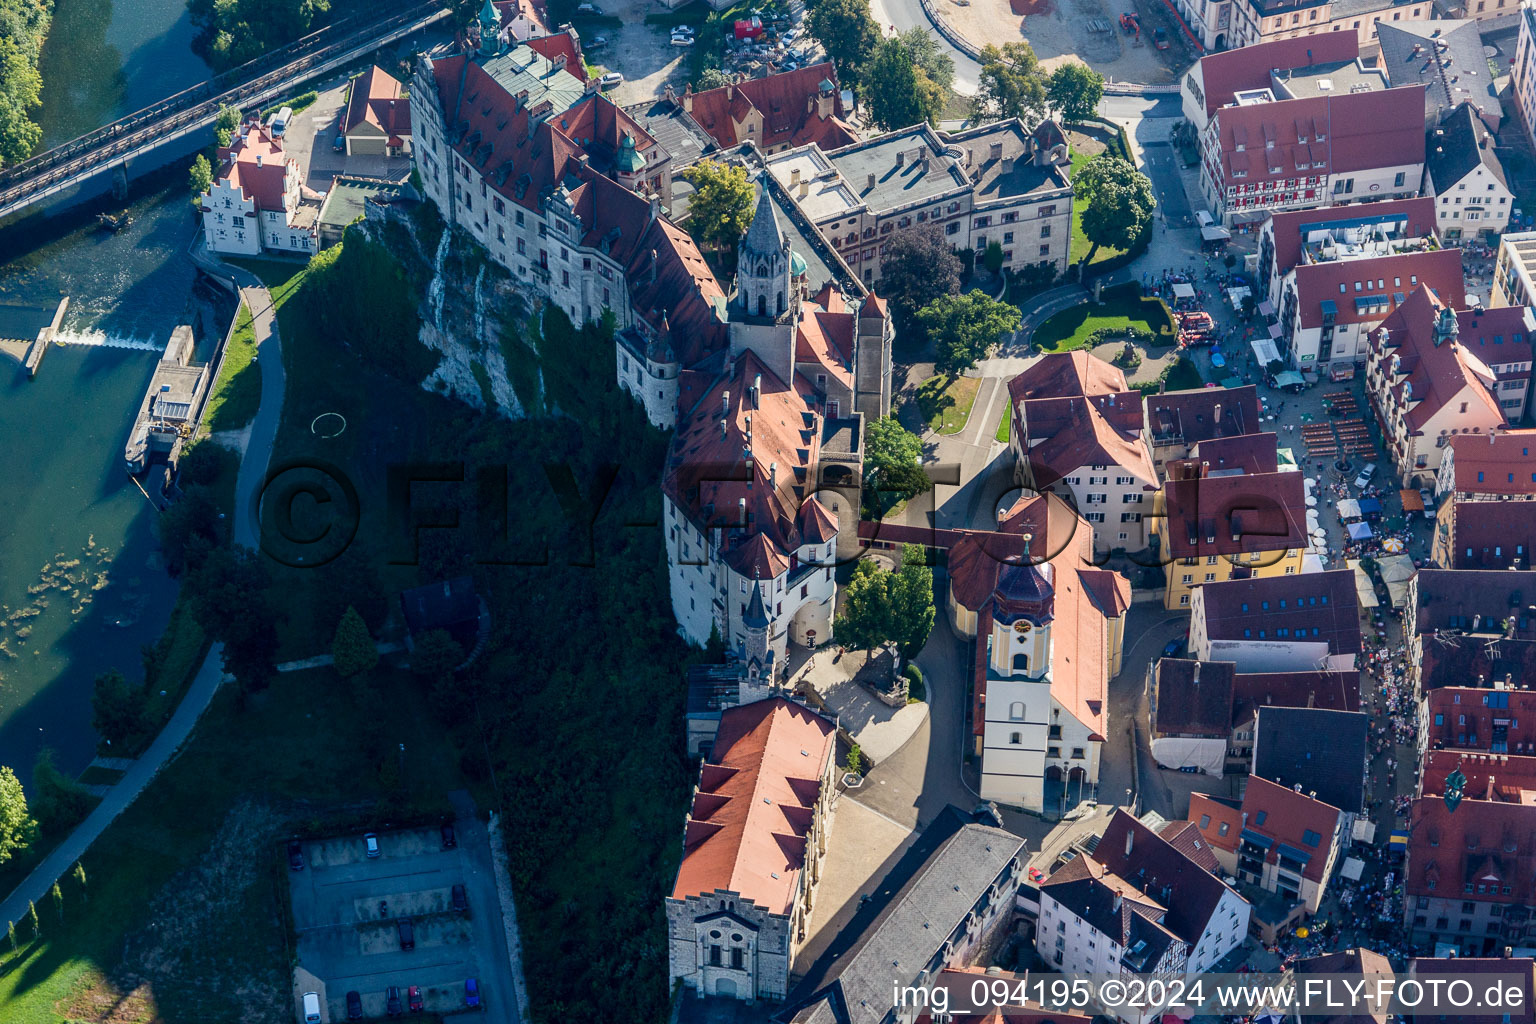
x=1223, y=828
x=1016, y=738
x=1045, y=231
x=1077, y=753
x=1020, y=664
x=1205, y=822
x=1016, y=711
x=1045, y=250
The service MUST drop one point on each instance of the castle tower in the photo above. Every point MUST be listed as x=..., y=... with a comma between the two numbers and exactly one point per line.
x=758, y=669
x=765, y=311
x=629, y=164
x=872, y=374
x=490, y=30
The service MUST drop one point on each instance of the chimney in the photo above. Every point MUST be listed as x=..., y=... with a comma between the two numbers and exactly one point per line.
x=995, y=152
x=794, y=176
x=688, y=100
x=1130, y=840
x=653, y=267
x=805, y=189
x=757, y=391
x=1196, y=679
x=258, y=159
x=725, y=403
x=746, y=455
x=1218, y=413
x=730, y=91
x=869, y=181
x=1117, y=901
x=1007, y=165
x=655, y=200
x=741, y=511
x=810, y=104
x=901, y=158
x=773, y=473
x=748, y=426
x=724, y=433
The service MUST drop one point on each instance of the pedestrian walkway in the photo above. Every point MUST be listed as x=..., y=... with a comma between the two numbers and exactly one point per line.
x=114, y=764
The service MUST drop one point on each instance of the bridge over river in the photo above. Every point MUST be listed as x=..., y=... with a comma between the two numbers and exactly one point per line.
x=115, y=147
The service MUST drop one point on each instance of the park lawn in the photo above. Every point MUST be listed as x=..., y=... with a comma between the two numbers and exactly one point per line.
x=187, y=890
x=237, y=393
x=1005, y=424
x=1070, y=328
x=947, y=405
x=1080, y=244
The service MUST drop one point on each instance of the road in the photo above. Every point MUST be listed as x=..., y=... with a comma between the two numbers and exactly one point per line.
x=253, y=470
x=904, y=14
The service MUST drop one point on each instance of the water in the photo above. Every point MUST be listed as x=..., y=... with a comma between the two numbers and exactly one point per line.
x=68, y=497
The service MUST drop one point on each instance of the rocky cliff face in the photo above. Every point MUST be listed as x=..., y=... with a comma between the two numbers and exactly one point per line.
x=471, y=316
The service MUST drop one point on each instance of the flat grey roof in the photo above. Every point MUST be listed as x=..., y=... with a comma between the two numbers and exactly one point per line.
x=897, y=185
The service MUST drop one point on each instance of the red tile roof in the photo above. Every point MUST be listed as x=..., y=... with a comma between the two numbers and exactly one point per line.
x=1437, y=373
x=376, y=100
x=787, y=104
x=1360, y=131
x=1191, y=893
x=1072, y=410
x=1491, y=534
x=1458, y=719
x=1250, y=453
x=1189, y=417
x=1185, y=837
x=716, y=475
x=1438, y=269
x=1226, y=515
x=1489, y=840
x=1484, y=464
x=1232, y=71
x=752, y=814
x=1286, y=816
x=255, y=163
x=1325, y=600
x=1331, y=690
x=1289, y=228
x=1067, y=373
x=560, y=45
x=1193, y=698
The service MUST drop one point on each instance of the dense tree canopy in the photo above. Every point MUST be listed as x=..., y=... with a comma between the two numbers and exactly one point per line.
x=117, y=707
x=17, y=829
x=919, y=267
x=23, y=25
x=1011, y=84
x=880, y=605
x=720, y=208
x=897, y=90
x=893, y=459
x=847, y=31
x=964, y=327
x=235, y=31
x=1075, y=91
x=1119, y=202
x=353, y=650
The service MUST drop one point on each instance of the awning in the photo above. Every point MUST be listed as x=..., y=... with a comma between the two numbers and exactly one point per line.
x=1365, y=590
x=1363, y=830
x=1413, y=501
x=1264, y=350
x=1232, y=382
x=1352, y=869
x=1257, y=838
x=1370, y=506
x=1215, y=233
x=1399, y=839
x=1287, y=850
x=1275, y=330
x=1348, y=508
x=1182, y=290
x=1288, y=378
x=1237, y=295
x=1266, y=308
x=1359, y=531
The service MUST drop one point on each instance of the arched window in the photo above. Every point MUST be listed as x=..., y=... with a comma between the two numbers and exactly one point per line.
x=762, y=305
x=1021, y=662
x=1016, y=711
x=1016, y=738
x=781, y=302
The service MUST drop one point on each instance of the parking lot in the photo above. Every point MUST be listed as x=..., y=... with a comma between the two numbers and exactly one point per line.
x=347, y=908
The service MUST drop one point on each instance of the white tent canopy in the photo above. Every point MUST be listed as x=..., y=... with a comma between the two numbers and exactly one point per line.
x=1264, y=350
x=1352, y=869
x=1363, y=586
x=1182, y=290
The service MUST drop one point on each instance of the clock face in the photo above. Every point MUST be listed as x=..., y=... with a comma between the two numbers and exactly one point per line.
x=1023, y=626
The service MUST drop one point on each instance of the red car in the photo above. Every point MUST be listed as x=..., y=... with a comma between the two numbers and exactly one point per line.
x=413, y=996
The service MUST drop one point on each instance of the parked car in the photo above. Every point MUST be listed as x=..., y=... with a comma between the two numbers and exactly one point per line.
x=354, y=1006
x=392, y=1004
x=1160, y=38
x=371, y=844
x=311, y=1008
x=596, y=43
x=407, y=933
x=471, y=992
x=682, y=40
x=449, y=840
x=611, y=79
x=591, y=9
x=1173, y=648
x=295, y=855
x=413, y=996
x=682, y=30
x=340, y=143
x=460, y=898
x=1365, y=474
x=1428, y=497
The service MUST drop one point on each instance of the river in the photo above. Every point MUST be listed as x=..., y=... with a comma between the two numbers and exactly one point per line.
x=81, y=587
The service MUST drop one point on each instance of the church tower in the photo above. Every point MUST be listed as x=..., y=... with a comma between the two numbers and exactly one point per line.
x=765, y=311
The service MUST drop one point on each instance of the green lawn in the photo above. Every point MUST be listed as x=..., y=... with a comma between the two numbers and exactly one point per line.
x=1005, y=424
x=237, y=393
x=1070, y=328
x=946, y=403
x=1080, y=244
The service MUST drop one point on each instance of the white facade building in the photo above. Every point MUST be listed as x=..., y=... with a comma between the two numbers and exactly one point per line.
x=255, y=202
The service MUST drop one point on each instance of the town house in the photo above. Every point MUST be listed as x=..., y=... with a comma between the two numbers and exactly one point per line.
x=256, y=202
x=1287, y=623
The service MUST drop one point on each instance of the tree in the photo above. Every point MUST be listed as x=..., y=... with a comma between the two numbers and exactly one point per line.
x=720, y=209
x=712, y=78
x=919, y=267
x=847, y=31
x=853, y=762
x=896, y=89
x=865, y=621
x=17, y=829
x=927, y=53
x=225, y=124
x=80, y=877
x=37, y=926
x=200, y=177
x=1119, y=202
x=893, y=459
x=911, y=594
x=10, y=931
x=992, y=257
x=229, y=594
x=1075, y=91
x=117, y=709
x=188, y=528
x=436, y=655
x=58, y=900
x=21, y=88
x=964, y=327
x=1011, y=84
x=353, y=649
x=59, y=803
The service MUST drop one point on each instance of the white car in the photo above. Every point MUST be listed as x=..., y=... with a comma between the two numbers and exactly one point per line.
x=370, y=845
x=682, y=40
x=611, y=79
x=682, y=30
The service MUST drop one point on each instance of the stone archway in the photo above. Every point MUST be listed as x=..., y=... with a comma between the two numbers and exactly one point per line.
x=725, y=987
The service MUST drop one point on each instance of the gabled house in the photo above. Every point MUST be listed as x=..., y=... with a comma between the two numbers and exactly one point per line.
x=257, y=202
x=1470, y=627
x=1078, y=431
x=775, y=113
x=377, y=121
x=752, y=850
x=1446, y=56
x=1297, y=238
x=1177, y=421
x=1426, y=385
x=1463, y=171
x=1320, y=750
x=1287, y=623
